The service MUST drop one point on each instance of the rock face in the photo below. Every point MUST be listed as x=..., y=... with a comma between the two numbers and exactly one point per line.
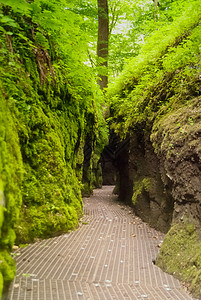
x=177, y=140
x=139, y=180
x=152, y=199
x=164, y=167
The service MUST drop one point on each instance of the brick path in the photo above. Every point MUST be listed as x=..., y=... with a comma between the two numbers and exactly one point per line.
x=109, y=257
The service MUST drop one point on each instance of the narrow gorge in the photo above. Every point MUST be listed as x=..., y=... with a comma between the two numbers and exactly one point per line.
x=61, y=136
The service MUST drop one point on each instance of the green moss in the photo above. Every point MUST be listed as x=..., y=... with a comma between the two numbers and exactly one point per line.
x=141, y=185
x=46, y=221
x=11, y=171
x=49, y=146
x=52, y=122
x=8, y=238
x=170, y=131
x=46, y=116
x=1, y=284
x=7, y=266
x=180, y=255
x=1, y=206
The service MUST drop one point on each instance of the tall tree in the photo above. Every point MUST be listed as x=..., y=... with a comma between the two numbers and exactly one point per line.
x=103, y=42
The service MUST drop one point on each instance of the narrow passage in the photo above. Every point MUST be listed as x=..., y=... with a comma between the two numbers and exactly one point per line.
x=108, y=257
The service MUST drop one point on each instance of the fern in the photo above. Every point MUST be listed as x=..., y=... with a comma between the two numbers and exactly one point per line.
x=19, y=6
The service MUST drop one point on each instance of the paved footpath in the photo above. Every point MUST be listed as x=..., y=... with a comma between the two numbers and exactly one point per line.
x=108, y=258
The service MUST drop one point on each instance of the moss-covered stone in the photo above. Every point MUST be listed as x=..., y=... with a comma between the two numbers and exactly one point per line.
x=180, y=255
x=139, y=186
x=46, y=117
x=157, y=100
x=7, y=266
x=11, y=170
x=176, y=139
x=48, y=141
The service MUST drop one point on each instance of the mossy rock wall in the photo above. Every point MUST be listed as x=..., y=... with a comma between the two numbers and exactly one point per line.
x=49, y=125
x=156, y=101
x=180, y=255
x=164, y=167
x=140, y=183
x=11, y=173
x=177, y=139
x=46, y=121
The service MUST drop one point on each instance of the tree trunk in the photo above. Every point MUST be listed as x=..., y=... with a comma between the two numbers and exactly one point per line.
x=102, y=45
x=156, y=10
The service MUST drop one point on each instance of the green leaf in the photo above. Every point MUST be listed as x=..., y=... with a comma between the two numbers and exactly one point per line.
x=9, y=21
x=17, y=6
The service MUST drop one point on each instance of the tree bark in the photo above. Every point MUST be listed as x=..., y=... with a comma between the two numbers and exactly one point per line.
x=102, y=44
x=156, y=11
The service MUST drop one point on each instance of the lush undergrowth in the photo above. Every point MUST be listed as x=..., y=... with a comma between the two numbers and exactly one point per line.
x=165, y=72
x=50, y=110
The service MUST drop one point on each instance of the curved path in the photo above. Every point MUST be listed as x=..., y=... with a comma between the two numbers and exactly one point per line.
x=108, y=257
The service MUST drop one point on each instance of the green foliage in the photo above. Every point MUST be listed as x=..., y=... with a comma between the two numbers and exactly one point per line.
x=41, y=40
x=132, y=22
x=162, y=71
x=20, y=6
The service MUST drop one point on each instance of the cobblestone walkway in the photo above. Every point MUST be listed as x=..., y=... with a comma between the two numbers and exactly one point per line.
x=108, y=257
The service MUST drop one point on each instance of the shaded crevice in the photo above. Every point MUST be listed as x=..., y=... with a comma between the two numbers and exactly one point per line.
x=139, y=178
